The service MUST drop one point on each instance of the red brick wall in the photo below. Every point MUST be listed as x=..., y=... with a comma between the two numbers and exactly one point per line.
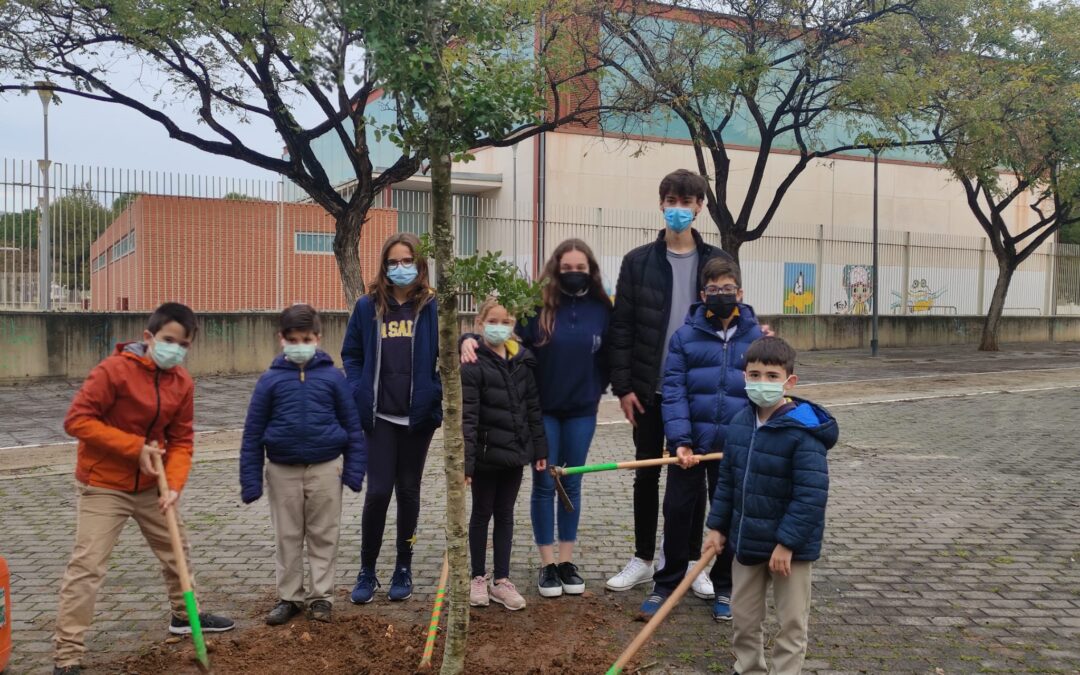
x=221, y=255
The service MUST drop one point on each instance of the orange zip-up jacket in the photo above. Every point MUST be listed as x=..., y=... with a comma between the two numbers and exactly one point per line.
x=126, y=402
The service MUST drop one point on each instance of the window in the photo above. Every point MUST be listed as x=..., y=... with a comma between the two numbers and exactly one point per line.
x=123, y=247
x=314, y=242
x=100, y=262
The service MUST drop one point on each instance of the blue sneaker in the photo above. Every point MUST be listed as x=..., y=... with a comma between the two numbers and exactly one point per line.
x=401, y=585
x=651, y=606
x=721, y=609
x=364, y=590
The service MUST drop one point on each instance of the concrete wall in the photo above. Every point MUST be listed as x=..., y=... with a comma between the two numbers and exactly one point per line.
x=57, y=345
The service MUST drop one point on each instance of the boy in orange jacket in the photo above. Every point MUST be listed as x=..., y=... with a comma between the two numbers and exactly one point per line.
x=137, y=403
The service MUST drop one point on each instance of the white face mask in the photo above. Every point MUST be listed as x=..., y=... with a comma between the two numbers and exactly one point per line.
x=301, y=353
x=167, y=354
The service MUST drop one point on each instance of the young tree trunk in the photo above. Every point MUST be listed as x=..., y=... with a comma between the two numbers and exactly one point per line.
x=349, y=225
x=457, y=620
x=730, y=242
x=989, y=341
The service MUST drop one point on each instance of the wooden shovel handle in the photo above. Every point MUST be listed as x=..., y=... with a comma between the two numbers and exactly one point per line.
x=174, y=526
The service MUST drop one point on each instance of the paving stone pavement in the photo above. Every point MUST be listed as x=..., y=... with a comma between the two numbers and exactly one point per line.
x=953, y=546
x=33, y=413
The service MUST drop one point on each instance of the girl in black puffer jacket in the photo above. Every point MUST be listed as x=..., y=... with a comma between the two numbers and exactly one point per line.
x=504, y=432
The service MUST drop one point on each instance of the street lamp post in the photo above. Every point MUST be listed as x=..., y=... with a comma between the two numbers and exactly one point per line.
x=874, y=267
x=44, y=267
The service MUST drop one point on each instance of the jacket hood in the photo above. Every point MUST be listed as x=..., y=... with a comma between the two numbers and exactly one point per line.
x=514, y=349
x=320, y=360
x=696, y=317
x=812, y=417
x=137, y=351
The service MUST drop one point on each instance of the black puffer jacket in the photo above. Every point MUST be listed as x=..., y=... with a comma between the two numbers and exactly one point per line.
x=500, y=411
x=640, y=318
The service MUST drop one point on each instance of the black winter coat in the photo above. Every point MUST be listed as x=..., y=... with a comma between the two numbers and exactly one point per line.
x=639, y=321
x=500, y=411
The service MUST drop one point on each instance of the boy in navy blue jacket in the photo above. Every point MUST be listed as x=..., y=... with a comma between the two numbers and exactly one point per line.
x=769, y=507
x=303, y=419
x=703, y=391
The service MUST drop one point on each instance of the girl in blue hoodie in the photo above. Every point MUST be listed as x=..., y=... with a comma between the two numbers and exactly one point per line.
x=302, y=419
x=391, y=360
x=569, y=341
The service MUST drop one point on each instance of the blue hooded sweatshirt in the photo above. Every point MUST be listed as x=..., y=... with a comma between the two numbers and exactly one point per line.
x=704, y=386
x=572, y=367
x=301, y=415
x=774, y=482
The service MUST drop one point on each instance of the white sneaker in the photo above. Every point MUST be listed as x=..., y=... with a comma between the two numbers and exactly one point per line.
x=637, y=571
x=702, y=585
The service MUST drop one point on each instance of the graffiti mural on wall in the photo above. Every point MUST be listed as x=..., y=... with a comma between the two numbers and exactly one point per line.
x=858, y=288
x=799, y=284
x=919, y=298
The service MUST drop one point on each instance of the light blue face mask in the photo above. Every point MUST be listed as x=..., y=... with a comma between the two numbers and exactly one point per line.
x=678, y=218
x=167, y=354
x=765, y=394
x=401, y=275
x=496, y=333
x=300, y=354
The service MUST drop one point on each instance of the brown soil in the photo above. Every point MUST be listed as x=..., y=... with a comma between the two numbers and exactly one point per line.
x=569, y=635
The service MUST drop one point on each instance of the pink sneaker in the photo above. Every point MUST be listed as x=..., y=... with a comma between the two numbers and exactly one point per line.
x=478, y=592
x=507, y=595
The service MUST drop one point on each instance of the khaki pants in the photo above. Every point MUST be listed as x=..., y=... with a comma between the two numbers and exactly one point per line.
x=102, y=514
x=792, y=596
x=305, y=505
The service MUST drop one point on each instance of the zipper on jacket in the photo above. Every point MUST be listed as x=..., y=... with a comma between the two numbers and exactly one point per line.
x=157, y=413
x=746, y=475
x=378, y=369
x=412, y=360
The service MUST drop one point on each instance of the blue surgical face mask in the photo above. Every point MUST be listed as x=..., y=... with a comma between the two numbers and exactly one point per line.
x=496, y=333
x=678, y=218
x=167, y=354
x=765, y=394
x=300, y=354
x=401, y=275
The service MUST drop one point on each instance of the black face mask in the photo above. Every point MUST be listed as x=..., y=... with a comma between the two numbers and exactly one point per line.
x=720, y=306
x=574, y=282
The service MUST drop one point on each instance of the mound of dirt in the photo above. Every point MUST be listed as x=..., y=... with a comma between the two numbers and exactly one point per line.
x=571, y=635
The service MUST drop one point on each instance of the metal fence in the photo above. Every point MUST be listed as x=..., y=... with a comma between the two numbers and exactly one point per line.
x=126, y=240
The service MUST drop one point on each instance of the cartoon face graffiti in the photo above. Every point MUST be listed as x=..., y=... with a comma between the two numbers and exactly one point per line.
x=859, y=289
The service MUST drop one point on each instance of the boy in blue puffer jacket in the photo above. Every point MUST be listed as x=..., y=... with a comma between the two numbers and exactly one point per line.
x=303, y=419
x=703, y=390
x=769, y=507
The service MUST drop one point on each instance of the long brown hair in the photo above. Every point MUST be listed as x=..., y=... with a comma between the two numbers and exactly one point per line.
x=380, y=288
x=552, y=293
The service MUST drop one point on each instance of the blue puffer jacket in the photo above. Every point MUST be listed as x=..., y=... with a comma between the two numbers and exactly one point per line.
x=360, y=354
x=703, y=380
x=774, y=482
x=301, y=416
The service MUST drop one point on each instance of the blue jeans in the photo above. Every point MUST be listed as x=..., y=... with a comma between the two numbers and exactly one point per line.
x=568, y=445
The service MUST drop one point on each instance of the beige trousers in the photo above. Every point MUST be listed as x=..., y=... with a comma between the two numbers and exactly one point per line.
x=750, y=585
x=305, y=505
x=102, y=514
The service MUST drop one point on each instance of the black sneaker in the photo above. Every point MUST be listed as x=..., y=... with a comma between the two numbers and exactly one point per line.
x=282, y=613
x=67, y=670
x=549, y=584
x=572, y=583
x=210, y=624
x=319, y=611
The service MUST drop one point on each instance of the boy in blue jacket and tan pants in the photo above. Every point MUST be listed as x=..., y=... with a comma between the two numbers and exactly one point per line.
x=303, y=419
x=769, y=508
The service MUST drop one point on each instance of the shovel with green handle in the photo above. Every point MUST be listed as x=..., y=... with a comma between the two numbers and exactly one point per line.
x=182, y=568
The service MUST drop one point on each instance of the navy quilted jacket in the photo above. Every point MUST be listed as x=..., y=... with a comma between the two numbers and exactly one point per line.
x=774, y=483
x=703, y=380
x=301, y=416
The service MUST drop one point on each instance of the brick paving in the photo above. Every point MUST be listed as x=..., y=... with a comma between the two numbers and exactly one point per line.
x=953, y=546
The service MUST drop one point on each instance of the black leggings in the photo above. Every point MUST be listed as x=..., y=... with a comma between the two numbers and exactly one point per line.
x=395, y=462
x=493, y=492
